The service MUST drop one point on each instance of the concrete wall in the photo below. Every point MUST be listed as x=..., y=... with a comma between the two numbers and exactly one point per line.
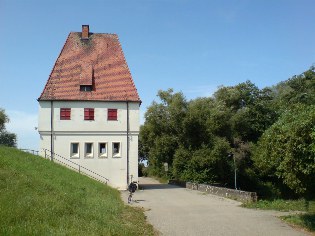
x=238, y=195
x=78, y=130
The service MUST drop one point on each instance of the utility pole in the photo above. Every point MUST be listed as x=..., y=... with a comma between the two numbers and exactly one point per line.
x=232, y=155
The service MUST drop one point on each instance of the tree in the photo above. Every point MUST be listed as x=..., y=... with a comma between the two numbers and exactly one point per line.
x=162, y=132
x=208, y=164
x=6, y=138
x=251, y=110
x=300, y=89
x=271, y=132
x=287, y=151
x=195, y=128
x=3, y=119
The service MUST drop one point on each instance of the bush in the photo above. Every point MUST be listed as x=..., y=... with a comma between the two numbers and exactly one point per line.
x=7, y=139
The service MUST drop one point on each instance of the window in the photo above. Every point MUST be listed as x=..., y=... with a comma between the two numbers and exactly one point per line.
x=88, y=113
x=116, y=149
x=74, y=150
x=102, y=150
x=88, y=150
x=86, y=88
x=65, y=113
x=112, y=114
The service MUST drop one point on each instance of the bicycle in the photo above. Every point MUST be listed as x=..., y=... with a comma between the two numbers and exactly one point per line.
x=131, y=188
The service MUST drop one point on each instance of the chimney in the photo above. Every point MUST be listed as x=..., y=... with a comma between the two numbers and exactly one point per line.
x=85, y=32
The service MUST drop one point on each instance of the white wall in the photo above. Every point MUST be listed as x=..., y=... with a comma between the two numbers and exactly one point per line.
x=77, y=122
x=99, y=130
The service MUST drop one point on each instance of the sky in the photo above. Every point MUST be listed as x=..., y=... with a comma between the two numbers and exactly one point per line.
x=192, y=46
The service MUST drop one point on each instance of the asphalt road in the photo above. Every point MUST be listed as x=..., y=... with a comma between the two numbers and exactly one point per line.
x=178, y=211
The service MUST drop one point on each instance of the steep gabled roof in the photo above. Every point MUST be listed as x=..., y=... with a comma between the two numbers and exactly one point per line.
x=98, y=62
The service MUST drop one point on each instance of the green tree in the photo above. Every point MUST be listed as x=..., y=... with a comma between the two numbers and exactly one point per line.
x=162, y=132
x=195, y=128
x=6, y=138
x=251, y=110
x=204, y=165
x=300, y=89
x=3, y=119
x=287, y=151
x=270, y=131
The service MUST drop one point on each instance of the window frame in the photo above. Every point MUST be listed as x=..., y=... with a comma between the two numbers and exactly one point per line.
x=65, y=113
x=89, y=154
x=74, y=154
x=112, y=114
x=118, y=154
x=102, y=154
x=89, y=114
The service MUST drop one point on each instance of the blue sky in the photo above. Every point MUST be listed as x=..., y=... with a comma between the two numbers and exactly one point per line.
x=190, y=46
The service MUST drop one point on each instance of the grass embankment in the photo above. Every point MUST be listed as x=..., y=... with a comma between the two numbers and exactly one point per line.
x=38, y=197
x=305, y=220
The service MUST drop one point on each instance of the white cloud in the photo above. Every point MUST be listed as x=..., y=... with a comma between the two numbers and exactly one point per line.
x=23, y=125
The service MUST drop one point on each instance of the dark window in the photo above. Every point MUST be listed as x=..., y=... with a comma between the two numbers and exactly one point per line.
x=74, y=148
x=116, y=148
x=65, y=113
x=112, y=114
x=102, y=148
x=88, y=148
x=86, y=88
x=88, y=113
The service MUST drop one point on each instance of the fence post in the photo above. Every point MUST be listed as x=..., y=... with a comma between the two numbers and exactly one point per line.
x=45, y=154
x=79, y=169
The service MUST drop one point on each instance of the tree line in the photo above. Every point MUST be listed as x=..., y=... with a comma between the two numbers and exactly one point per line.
x=270, y=132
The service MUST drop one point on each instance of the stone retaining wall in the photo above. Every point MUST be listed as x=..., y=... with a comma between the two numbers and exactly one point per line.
x=238, y=195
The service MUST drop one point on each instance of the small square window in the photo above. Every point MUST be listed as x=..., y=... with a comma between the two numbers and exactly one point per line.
x=112, y=114
x=65, y=113
x=88, y=150
x=88, y=113
x=74, y=150
x=86, y=88
x=116, y=149
x=102, y=150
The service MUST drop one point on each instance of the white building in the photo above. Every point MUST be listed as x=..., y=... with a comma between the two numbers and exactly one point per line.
x=89, y=108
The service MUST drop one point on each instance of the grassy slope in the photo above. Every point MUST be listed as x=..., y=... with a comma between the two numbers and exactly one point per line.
x=306, y=220
x=38, y=197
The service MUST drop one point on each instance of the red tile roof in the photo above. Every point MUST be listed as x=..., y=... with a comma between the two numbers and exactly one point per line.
x=98, y=61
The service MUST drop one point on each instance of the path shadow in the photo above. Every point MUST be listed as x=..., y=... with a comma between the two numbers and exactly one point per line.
x=157, y=186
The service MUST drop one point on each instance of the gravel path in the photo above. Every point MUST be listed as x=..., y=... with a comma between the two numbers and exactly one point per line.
x=178, y=211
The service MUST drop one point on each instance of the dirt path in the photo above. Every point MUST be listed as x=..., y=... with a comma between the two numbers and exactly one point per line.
x=179, y=211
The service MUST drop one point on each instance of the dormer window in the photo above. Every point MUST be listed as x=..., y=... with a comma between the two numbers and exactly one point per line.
x=86, y=88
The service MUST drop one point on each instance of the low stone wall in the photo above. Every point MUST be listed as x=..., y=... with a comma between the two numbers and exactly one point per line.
x=238, y=195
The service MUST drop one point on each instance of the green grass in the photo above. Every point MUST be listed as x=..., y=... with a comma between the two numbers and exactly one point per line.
x=283, y=205
x=306, y=220
x=38, y=197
